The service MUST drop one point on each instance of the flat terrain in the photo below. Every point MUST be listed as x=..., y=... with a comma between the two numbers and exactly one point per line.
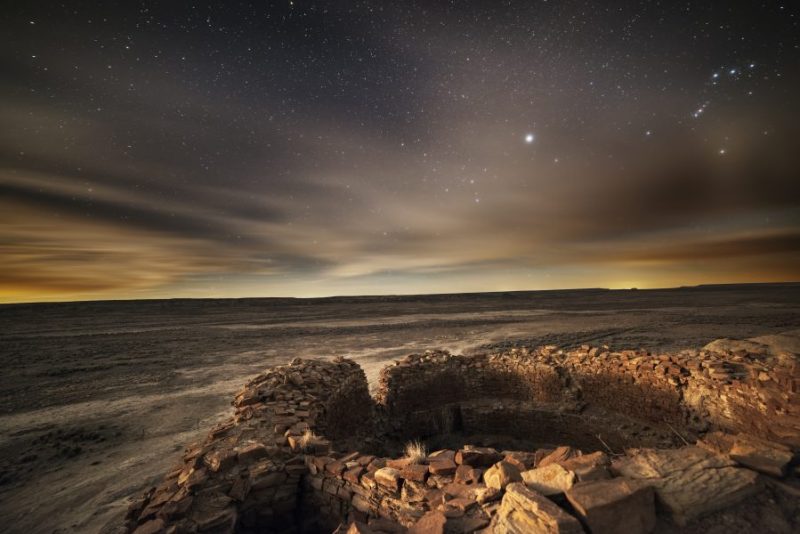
x=98, y=399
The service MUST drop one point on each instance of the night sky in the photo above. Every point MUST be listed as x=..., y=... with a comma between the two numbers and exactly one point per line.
x=159, y=149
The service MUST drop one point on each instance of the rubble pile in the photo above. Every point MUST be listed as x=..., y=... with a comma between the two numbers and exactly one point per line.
x=628, y=442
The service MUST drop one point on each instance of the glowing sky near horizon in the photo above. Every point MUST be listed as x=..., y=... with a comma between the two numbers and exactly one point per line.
x=366, y=147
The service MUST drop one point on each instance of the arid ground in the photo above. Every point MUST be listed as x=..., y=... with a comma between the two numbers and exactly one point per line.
x=98, y=399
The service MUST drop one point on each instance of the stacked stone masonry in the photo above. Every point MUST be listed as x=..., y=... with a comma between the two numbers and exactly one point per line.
x=303, y=451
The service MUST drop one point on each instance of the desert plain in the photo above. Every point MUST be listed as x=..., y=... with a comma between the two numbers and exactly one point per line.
x=98, y=399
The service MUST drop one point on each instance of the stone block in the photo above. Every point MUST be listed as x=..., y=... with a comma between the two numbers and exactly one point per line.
x=389, y=478
x=501, y=474
x=549, y=480
x=615, y=506
x=524, y=511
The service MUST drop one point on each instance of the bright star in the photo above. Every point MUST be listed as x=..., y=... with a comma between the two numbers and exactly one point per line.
x=529, y=138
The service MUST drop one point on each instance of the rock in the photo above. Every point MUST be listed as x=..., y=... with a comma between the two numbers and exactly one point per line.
x=252, y=452
x=478, y=457
x=432, y=522
x=763, y=456
x=559, y=455
x=357, y=527
x=616, y=506
x=689, y=482
x=486, y=494
x=589, y=466
x=467, y=475
x=523, y=511
x=717, y=442
x=501, y=474
x=220, y=460
x=523, y=460
x=444, y=466
x=549, y=480
x=415, y=472
x=388, y=477
x=154, y=526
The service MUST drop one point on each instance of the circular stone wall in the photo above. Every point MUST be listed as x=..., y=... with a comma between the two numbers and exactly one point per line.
x=306, y=445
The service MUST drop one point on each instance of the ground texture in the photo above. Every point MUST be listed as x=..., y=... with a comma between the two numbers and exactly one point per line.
x=98, y=399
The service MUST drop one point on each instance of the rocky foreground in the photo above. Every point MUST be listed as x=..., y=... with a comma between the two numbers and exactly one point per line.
x=688, y=442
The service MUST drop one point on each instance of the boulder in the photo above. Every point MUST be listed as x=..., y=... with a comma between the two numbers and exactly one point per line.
x=501, y=475
x=523, y=511
x=615, y=506
x=549, y=480
x=689, y=482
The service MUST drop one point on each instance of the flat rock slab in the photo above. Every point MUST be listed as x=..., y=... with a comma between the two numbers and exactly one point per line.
x=764, y=456
x=523, y=511
x=616, y=506
x=549, y=480
x=689, y=482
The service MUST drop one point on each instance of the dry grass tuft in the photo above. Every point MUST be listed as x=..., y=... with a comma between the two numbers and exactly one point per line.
x=308, y=438
x=416, y=451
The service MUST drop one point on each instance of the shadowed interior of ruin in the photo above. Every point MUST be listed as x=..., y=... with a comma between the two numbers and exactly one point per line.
x=526, y=409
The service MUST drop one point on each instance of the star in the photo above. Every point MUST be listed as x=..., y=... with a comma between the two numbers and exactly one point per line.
x=529, y=138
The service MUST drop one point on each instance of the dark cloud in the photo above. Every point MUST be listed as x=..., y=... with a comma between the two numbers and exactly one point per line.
x=299, y=149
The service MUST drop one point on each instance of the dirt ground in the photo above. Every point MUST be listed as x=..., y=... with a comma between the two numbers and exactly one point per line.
x=98, y=399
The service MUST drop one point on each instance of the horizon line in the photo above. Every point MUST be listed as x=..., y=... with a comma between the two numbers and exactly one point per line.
x=393, y=295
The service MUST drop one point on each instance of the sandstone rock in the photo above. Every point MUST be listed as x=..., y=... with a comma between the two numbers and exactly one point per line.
x=220, y=460
x=523, y=511
x=468, y=475
x=388, y=477
x=380, y=524
x=485, y=494
x=432, y=522
x=523, y=460
x=501, y=474
x=352, y=475
x=616, y=506
x=444, y=466
x=559, y=455
x=763, y=456
x=357, y=527
x=444, y=454
x=251, y=453
x=478, y=457
x=155, y=526
x=416, y=472
x=589, y=466
x=690, y=481
x=717, y=442
x=549, y=480
x=413, y=492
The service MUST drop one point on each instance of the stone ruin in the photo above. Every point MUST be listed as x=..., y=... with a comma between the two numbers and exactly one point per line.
x=546, y=440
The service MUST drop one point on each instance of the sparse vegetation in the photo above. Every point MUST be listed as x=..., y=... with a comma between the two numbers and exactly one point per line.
x=308, y=438
x=416, y=451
